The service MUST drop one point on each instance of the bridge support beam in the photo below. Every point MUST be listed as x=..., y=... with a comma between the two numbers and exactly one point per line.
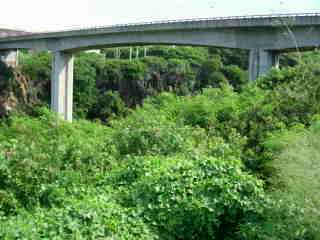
x=9, y=57
x=62, y=85
x=261, y=61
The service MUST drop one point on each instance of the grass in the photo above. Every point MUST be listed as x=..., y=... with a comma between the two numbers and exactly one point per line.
x=297, y=165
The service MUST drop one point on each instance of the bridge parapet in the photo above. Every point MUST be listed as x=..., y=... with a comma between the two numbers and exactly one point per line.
x=269, y=20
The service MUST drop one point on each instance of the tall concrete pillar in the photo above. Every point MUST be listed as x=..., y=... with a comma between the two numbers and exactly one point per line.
x=130, y=54
x=261, y=61
x=62, y=85
x=10, y=57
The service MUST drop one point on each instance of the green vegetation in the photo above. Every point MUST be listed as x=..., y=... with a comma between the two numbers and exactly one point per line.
x=296, y=170
x=179, y=70
x=167, y=180
x=187, y=149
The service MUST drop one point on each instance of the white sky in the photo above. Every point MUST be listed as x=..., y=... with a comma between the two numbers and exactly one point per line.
x=41, y=15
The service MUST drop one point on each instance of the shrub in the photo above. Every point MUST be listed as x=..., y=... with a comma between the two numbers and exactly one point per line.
x=108, y=106
x=34, y=154
x=36, y=66
x=281, y=220
x=295, y=166
x=146, y=132
x=86, y=69
x=174, y=168
x=183, y=198
x=37, y=69
x=94, y=216
x=236, y=76
x=208, y=68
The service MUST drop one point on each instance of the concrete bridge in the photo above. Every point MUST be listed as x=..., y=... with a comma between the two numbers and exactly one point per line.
x=265, y=36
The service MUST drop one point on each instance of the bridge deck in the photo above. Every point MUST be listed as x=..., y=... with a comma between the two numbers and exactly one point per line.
x=6, y=33
x=273, y=20
x=262, y=35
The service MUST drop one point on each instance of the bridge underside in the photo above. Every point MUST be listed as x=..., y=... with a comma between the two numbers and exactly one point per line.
x=264, y=43
x=261, y=62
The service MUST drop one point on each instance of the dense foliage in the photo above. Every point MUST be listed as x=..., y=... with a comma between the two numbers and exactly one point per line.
x=167, y=181
x=183, y=70
x=204, y=154
x=296, y=169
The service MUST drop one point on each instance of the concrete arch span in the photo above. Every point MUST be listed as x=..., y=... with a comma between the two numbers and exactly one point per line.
x=265, y=36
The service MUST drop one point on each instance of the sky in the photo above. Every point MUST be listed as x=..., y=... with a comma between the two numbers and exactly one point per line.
x=51, y=15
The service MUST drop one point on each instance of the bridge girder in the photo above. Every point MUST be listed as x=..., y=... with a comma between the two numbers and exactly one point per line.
x=264, y=36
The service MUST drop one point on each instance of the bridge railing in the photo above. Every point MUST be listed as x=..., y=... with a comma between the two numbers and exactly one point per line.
x=162, y=22
x=247, y=17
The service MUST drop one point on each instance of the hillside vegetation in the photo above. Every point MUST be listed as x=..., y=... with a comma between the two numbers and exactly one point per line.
x=225, y=160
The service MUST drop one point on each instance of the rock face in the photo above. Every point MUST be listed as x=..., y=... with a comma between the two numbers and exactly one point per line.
x=15, y=90
x=7, y=104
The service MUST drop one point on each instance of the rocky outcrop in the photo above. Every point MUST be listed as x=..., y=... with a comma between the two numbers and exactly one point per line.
x=15, y=90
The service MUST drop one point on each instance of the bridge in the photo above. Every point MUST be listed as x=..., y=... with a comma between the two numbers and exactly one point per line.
x=265, y=36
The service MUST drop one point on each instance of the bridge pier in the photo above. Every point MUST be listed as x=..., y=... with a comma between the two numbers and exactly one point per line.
x=62, y=85
x=261, y=61
x=9, y=57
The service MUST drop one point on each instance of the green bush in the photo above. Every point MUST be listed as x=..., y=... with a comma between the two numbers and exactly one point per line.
x=109, y=77
x=208, y=68
x=295, y=165
x=281, y=220
x=108, y=106
x=238, y=57
x=223, y=164
x=236, y=76
x=146, y=132
x=94, y=216
x=86, y=69
x=182, y=70
x=34, y=154
x=37, y=69
x=187, y=198
x=195, y=55
x=172, y=169
x=37, y=66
